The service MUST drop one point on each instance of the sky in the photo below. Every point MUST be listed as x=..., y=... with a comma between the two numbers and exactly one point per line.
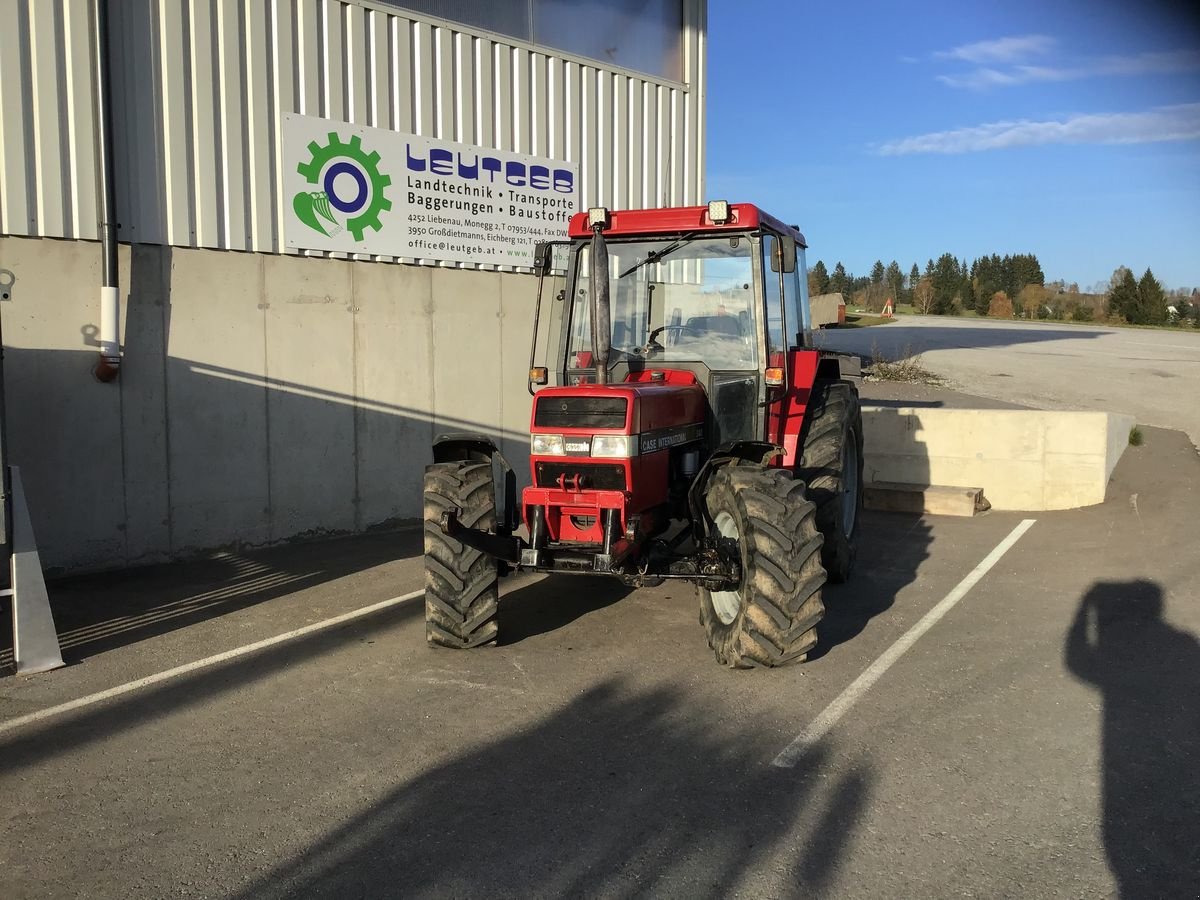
x=902, y=131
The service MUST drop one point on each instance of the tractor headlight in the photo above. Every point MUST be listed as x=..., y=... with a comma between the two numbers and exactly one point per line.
x=547, y=445
x=615, y=446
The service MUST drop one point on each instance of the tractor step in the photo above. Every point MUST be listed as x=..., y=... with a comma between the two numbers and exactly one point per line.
x=931, y=499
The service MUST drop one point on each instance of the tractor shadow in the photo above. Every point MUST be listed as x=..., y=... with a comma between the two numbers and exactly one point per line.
x=892, y=547
x=553, y=602
x=625, y=791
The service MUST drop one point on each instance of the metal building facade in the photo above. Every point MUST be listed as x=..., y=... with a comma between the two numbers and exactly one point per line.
x=200, y=87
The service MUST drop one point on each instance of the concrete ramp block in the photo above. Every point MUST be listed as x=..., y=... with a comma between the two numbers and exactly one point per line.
x=927, y=499
x=1022, y=459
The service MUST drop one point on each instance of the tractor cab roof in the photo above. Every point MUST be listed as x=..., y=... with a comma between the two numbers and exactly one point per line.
x=673, y=220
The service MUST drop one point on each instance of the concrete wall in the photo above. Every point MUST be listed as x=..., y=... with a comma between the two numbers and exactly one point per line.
x=261, y=397
x=1023, y=459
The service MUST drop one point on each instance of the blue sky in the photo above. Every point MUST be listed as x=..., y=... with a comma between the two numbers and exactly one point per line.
x=1068, y=129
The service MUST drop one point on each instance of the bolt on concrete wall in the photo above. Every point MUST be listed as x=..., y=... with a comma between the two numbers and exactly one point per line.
x=261, y=397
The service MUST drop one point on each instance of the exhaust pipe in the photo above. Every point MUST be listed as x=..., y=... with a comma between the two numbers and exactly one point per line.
x=601, y=322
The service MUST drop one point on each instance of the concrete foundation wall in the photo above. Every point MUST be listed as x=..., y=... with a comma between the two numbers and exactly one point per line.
x=1023, y=459
x=261, y=397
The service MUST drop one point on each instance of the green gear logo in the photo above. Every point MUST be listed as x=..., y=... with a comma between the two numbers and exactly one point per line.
x=350, y=184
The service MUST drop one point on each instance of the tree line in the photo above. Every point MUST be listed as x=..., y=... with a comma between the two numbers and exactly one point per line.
x=1013, y=285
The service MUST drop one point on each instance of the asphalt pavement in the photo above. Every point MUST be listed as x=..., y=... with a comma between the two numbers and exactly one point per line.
x=1151, y=374
x=1039, y=739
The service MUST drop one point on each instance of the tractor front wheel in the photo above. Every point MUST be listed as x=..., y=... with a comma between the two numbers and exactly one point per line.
x=461, y=592
x=831, y=466
x=770, y=619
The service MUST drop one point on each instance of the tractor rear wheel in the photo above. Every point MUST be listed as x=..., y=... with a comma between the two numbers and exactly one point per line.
x=831, y=466
x=461, y=592
x=771, y=618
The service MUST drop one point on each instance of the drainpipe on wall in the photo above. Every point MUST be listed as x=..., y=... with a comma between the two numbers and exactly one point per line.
x=109, y=363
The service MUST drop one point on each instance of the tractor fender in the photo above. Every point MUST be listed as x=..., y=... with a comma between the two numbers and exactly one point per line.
x=466, y=445
x=755, y=453
x=457, y=445
x=840, y=367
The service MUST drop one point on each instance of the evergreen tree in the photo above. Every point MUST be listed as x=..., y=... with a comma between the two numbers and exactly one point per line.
x=1152, y=302
x=966, y=288
x=1123, y=296
x=877, y=272
x=947, y=279
x=894, y=279
x=839, y=284
x=818, y=279
x=914, y=275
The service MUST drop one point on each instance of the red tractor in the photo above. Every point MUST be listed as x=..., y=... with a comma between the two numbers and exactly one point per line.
x=686, y=429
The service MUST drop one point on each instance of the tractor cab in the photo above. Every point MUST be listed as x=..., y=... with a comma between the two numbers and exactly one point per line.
x=719, y=292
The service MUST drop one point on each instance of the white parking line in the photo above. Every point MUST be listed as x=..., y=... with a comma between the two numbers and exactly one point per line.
x=120, y=689
x=821, y=725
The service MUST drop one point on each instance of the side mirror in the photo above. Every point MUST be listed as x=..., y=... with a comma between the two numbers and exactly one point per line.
x=543, y=254
x=787, y=253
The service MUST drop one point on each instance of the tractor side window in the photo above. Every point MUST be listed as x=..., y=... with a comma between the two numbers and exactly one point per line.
x=802, y=323
x=773, y=300
x=791, y=305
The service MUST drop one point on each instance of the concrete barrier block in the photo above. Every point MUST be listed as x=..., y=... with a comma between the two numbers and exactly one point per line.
x=935, y=499
x=1023, y=459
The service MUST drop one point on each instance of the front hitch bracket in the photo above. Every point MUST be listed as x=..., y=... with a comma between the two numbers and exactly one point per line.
x=499, y=546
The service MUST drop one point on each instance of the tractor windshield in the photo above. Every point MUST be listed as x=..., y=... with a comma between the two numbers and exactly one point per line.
x=679, y=300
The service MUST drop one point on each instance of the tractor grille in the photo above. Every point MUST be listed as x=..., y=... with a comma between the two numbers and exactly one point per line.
x=580, y=412
x=592, y=476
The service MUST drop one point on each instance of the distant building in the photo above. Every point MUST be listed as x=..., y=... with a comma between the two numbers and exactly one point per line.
x=828, y=309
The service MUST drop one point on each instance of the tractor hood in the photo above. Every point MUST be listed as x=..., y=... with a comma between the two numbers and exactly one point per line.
x=655, y=402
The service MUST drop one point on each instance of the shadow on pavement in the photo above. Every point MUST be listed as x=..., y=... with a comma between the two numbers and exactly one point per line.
x=35, y=744
x=1148, y=675
x=552, y=603
x=620, y=793
x=900, y=340
x=892, y=547
x=97, y=613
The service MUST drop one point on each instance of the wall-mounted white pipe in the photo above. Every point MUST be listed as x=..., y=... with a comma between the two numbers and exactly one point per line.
x=110, y=328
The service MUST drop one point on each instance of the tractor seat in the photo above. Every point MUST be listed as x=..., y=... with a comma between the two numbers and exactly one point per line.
x=715, y=325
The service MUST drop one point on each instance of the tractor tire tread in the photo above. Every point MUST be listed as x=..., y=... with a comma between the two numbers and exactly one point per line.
x=461, y=583
x=782, y=573
x=836, y=417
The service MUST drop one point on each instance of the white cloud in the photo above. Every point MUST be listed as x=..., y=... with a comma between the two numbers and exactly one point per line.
x=1168, y=62
x=1158, y=63
x=1167, y=123
x=1001, y=50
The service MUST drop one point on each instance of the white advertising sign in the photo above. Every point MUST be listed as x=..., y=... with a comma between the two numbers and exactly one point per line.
x=369, y=190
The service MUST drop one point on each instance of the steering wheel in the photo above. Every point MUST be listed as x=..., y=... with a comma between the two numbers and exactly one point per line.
x=652, y=344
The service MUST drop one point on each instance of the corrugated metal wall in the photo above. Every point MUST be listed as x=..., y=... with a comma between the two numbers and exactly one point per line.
x=47, y=125
x=201, y=85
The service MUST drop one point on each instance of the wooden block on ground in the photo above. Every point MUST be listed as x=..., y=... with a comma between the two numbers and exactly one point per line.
x=933, y=499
